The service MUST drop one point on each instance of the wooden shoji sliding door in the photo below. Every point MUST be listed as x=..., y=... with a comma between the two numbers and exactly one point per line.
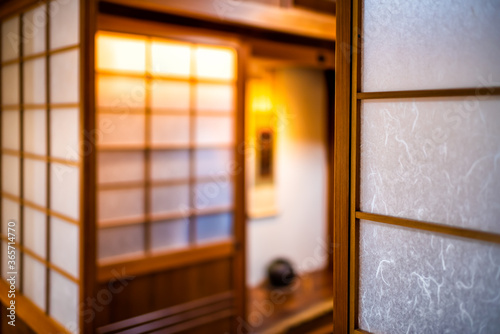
x=41, y=161
x=166, y=140
x=168, y=121
x=425, y=172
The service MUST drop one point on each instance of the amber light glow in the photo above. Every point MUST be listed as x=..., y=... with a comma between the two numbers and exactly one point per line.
x=116, y=52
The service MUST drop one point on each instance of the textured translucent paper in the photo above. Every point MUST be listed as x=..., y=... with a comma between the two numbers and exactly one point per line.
x=169, y=235
x=170, y=165
x=34, y=28
x=111, y=51
x=10, y=129
x=64, y=130
x=34, y=281
x=34, y=223
x=170, y=95
x=121, y=203
x=171, y=199
x=169, y=130
x=429, y=160
x=64, y=23
x=64, y=77
x=65, y=245
x=65, y=190
x=34, y=81
x=430, y=44
x=416, y=282
x=10, y=174
x=10, y=211
x=214, y=227
x=10, y=92
x=123, y=240
x=121, y=129
x=217, y=193
x=10, y=38
x=215, y=163
x=34, y=123
x=171, y=58
x=214, y=97
x=64, y=301
x=120, y=167
x=35, y=181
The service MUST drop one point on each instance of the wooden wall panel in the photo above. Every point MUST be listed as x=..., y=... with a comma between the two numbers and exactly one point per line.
x=152, y=292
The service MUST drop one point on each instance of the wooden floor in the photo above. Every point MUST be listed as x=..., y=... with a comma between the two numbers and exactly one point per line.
x=306, y=303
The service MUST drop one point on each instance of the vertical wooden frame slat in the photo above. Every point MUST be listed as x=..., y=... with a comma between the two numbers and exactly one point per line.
x=1, y=155
x=341, y=176
x=147, y=148
x=192, y=149
x=20, y=259
x=88, y=186
x=355, y=155
x=48, y=153
x=239, y=211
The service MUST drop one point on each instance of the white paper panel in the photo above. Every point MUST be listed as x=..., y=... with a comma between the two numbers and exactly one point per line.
x=423, y=44
x=65, y=190
x=10, y=174
x=65, y=245
x=214, y=97
x=213, y=194
x=171, y=58
x=64, y=23
x=64, y=298
x=418, y=282
x=170, y=235
x=171, y=199
x=10, y=211
x=216, y=163
x=35, y=181
x=214, y=227
x=10, y=129
x=215, y=63
x=122, y=203
x=169, y=129
x=65, y=132
x=34, y=28
x=121, y=93
x=116, y=129
x=10, y=39
x=214, y=130
x=124, y=53
x=10, y=92
x=171, y=95
x=64, y=77
x=5, y=268
x=34, y=235
x=34, y=81
x=34, y=283
x=170, y=165
x=35, y=131
x=432, y=160
x=120, y=167
x=121, y=240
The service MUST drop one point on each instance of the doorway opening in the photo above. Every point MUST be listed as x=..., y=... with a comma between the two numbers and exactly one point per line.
x=288, y=113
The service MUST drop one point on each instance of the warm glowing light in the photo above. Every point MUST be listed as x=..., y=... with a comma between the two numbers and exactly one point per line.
x=121, y=53
x=215, y=63
x=261, y=98
x=171, y=58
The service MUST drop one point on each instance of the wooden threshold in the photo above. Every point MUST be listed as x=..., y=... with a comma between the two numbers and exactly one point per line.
x=141, y=265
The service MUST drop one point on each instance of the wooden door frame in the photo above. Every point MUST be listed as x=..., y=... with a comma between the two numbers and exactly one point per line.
x=341, y=168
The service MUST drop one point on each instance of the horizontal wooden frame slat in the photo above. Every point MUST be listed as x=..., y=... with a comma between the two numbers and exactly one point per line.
x=46, y=263
x=110, y=223
x=409, y=94
x=40, y=208
x=142, y=265
x=431, y=227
